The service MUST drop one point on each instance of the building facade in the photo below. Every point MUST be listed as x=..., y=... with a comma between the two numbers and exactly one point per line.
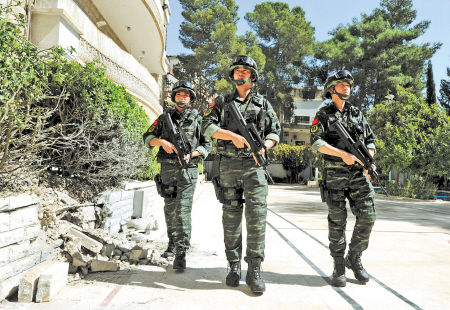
x=307, y=101
x=127, y=37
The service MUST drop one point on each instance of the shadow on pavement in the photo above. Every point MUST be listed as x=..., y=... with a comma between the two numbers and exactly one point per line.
x=198, y=279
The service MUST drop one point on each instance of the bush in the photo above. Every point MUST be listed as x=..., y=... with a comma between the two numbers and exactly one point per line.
x=56, y=114
x=295, y=158
x=417, y=188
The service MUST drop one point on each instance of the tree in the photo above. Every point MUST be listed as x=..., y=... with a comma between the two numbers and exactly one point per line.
x=286, y=39
x=444, y=99
x=380, y=51
x=209, y=30
x=431, y=89
x=411, y=135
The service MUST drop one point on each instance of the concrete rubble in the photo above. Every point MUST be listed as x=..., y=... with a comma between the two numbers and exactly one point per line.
x=48, y=238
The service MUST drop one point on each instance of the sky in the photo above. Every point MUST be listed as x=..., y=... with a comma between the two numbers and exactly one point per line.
x=325, y=15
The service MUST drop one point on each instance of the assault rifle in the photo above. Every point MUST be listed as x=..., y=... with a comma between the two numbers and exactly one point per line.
x=358, y=149
x=250, y=133
x=178, y=138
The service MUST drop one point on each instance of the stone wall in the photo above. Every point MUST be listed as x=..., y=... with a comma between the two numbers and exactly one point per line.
x=22, y=242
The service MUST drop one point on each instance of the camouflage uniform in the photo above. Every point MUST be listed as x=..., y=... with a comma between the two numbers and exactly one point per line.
x=343, y=181
x=179, y=185
x=238, y=176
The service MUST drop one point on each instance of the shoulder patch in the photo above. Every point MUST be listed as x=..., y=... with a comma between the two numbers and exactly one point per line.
x=210, y=109
x=315, y=121
x=153, y=126
x=314, y=128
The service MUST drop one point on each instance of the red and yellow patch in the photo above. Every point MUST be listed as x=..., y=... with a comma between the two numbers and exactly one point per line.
x=210, y=109
x=314, y=126
x=153, y=126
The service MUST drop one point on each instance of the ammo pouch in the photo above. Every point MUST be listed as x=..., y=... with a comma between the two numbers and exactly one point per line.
x=225, y=195
x=164, y=190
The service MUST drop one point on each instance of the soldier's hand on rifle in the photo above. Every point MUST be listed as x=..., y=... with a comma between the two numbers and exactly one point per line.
x=239, y=141
x=350, y=159
x=366, y=172
x=168, y=147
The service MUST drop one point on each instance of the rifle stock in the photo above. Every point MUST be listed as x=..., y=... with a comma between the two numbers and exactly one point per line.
x=359, y=150
x=250, y=133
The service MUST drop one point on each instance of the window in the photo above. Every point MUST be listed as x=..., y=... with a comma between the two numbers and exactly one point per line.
x=299, y=142
x=302, y=119
x=286, y=133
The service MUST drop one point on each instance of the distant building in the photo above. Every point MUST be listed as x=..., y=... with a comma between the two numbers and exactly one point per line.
x=307, y=101
x=127, y=37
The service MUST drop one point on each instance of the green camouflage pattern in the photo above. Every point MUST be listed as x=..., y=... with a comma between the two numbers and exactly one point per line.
x=242, y=173
x=343, y=181
x=177, y=210
x=238, y=173
x=348, y=182
x=255, y=109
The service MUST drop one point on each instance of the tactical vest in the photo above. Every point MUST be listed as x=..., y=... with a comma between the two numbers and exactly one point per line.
x=352, y=122
x=254, y=111
x=189, y=122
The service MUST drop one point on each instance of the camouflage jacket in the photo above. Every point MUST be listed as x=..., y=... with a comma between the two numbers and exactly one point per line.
x=352, y=119
x=255, y=109
x=190, y=121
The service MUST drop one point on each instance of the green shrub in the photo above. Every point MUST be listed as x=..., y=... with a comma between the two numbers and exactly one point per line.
x=58, y=114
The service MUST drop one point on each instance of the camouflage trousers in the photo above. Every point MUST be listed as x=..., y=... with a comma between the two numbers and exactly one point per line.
x=177, y=210
x=348, y=182
x=240, y=178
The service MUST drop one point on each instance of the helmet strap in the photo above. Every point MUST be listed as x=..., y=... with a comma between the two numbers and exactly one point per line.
x=243, y=81
x=340, y=95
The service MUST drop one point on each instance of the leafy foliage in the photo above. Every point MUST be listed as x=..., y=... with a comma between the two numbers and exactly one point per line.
x=286, y=38
x=56, y=114
x=431, y=88
x=380, y=51
x=209, y=30
x=444, y=99
x=411, y=135
x=295, y=158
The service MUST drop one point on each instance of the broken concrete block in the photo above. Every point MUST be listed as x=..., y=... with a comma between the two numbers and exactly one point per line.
x=51, y=281
x=29, y=281
x=117, y=252
x=84, y=270
x=138, y=254
x=99, y=266
x=87, y=242
x=78, y=260
x=72, y=269
x=108, y=250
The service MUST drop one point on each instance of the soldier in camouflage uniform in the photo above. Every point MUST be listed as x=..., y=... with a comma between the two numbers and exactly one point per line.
x=344, y=178
x=177, y=185
x=236, y=176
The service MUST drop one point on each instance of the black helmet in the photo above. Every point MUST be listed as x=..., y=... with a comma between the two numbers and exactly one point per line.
x=336, y=78
x=246, y=62
x=183, y=85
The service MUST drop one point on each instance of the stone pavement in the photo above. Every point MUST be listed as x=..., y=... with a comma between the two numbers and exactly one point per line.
x=408, y=260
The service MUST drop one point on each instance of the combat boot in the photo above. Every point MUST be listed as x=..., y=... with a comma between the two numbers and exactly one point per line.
x=338, y=278
x=170, y=251
x=179, y=263
x=254, y=276
x=353, y=262
x=234, y=275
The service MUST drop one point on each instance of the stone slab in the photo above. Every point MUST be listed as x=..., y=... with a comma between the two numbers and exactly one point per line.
x=87, y=242
x=28, y=283
x=100, y=265
x=51, y=281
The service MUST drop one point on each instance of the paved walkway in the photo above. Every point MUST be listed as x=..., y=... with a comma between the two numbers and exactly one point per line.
x=408, y=260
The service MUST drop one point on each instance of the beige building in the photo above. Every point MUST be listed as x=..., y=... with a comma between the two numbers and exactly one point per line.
x=307, y=101
x=127, y=36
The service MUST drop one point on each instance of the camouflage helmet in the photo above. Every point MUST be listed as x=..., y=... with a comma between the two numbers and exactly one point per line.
x=336, y=78
x=246, y=62
x=183, y=85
